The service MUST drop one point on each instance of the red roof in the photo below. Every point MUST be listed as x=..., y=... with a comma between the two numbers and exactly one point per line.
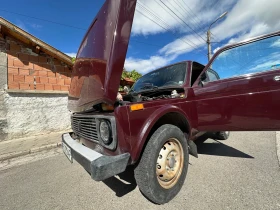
x=128, y=80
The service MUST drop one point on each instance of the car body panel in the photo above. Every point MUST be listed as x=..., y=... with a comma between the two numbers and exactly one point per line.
x=243, y=103
x=142, y=122
x=100, y=59
x=247, y=102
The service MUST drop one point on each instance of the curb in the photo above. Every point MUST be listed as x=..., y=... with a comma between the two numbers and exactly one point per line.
x=30, y=151
x=278, y=145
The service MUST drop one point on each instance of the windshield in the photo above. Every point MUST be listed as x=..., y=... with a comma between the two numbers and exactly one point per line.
x=168, y=76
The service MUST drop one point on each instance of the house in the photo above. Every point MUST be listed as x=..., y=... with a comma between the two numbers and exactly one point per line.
x=34, y=83
x=127, y=82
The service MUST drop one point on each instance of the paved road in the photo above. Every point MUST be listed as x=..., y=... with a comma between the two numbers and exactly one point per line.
x=240, y=173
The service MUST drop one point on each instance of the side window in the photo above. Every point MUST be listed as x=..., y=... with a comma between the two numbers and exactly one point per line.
x=212, y=75
x=262, y=55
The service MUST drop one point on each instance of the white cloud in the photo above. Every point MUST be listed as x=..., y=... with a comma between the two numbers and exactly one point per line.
x=187, y=11
x=71, y=54
x=249, y=18
x=183, y=45
x=35, y=26
x=21, y=25
x=216, y=49
x=145, y=65
x=276, y=43
x=245, y=19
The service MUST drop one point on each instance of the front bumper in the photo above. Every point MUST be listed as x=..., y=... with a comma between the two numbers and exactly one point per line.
x=99, y=166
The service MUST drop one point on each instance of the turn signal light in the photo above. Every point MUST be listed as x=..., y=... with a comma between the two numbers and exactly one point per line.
x=136, y=107
x=107, y=107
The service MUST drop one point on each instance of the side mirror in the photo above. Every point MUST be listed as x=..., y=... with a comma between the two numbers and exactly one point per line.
x=202, y=80
x=203, y=77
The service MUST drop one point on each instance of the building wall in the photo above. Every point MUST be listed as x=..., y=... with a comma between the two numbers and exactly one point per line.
x=31, y=113
x=29, y=71
x=3, y=86
x=33, y=93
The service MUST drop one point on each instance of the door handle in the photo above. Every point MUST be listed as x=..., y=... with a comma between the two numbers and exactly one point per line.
x=277, y=78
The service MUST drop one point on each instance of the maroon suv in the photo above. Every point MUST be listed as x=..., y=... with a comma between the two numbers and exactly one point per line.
x=154, y=126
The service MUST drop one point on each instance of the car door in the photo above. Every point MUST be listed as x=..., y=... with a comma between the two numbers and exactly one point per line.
x=245, y=94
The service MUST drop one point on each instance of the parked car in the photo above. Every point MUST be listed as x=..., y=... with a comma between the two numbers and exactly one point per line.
x=154, y=127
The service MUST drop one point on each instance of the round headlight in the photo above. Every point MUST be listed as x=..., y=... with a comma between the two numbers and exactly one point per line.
x=105, y=132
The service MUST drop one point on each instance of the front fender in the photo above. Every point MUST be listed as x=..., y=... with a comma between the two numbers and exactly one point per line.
x=148, y=125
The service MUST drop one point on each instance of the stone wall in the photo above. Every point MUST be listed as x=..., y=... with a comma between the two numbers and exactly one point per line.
x=3, y=86
x=33, y=91
x=35, y=113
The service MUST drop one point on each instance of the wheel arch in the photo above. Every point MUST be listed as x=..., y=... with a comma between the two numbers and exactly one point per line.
x=165, y=115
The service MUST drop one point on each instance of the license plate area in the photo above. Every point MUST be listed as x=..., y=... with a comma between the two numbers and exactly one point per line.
x=67, y=152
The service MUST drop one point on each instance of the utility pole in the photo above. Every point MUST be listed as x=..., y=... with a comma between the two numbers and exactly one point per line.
x=209, y=35
x=209, y=44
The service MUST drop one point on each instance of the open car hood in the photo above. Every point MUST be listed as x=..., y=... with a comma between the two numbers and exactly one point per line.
x=100, y=59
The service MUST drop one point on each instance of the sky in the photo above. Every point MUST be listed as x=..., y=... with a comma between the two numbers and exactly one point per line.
x=163, y=32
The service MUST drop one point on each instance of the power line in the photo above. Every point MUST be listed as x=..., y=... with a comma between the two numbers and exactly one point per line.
x=153, y=14
x=183, y=21
x=182, y=15
x=201, y=54
x=198, y=53
x=182, y=7
x=174, y=18
x=215, y=3
x=62, y=24
x=151, y=19
x=166, y=28
x=195, y=16
x=166, y=10
x=85, y=29
x=70, y=26
x=145, y=43
x=163, y=27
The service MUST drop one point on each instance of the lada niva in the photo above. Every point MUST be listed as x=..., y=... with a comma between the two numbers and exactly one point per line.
x=154, y=127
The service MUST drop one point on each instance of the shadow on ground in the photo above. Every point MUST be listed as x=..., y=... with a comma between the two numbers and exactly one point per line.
x=124, y=183
x=214, y=147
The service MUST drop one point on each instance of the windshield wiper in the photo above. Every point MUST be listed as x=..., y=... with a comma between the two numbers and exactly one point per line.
x=149, y=87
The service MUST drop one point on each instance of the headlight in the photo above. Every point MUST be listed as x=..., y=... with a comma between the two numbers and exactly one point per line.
x=105, y=132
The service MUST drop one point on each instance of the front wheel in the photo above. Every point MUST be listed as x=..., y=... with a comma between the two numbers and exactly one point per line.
x=163, y=167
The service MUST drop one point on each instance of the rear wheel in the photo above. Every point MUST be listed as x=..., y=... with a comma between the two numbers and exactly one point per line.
x=163, y=167
x=222, y=135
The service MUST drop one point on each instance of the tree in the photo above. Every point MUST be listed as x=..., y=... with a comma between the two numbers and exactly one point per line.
x=73, y=59
x=134, y=75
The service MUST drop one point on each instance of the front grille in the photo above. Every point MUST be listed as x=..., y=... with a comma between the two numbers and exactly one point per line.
x=85, y=127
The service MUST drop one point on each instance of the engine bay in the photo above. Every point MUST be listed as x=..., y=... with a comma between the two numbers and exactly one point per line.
x=154, y=95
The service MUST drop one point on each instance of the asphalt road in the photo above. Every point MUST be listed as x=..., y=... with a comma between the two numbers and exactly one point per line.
x=240, y=173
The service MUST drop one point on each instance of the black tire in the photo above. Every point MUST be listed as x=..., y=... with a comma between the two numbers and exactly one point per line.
x=146, y=172
x=222, y=135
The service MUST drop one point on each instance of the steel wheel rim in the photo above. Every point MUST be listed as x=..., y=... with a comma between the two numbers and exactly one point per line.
x=170, y=163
